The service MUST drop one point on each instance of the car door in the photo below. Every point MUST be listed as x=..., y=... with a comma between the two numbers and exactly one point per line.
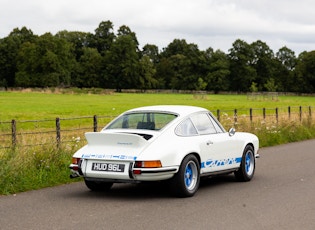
x=216, y=148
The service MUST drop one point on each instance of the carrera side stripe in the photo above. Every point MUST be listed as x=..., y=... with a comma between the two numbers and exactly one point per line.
x=217, y=163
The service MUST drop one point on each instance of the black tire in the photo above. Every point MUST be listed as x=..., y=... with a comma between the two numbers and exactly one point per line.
x=247, y=168
x=186, y=181
x=98, y=185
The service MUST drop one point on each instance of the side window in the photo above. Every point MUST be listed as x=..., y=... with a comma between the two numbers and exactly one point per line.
x=203, y=124
x=186, y=128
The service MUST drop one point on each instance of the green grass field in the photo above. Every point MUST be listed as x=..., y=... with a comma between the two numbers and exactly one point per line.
x=38, y=106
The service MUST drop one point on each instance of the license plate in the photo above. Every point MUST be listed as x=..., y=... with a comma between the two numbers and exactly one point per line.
x=108, y=167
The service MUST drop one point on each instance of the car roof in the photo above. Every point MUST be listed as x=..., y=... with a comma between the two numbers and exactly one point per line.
x=181, y=110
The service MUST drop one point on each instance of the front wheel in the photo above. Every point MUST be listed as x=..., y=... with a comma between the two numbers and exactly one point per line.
x=98, y=185
x=247, y=168
x=186, y=181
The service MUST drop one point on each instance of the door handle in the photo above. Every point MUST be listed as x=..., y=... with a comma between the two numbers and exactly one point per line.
x=209, y=143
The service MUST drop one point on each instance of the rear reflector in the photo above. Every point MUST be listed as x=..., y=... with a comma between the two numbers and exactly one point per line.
x=76, y=168
x=137, y=172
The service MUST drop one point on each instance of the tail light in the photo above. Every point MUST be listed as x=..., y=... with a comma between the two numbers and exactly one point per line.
x=75, y=163
x=75, y=160
x=148, y=164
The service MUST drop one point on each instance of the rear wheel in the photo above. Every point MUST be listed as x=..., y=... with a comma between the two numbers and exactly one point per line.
x=98, y=185
x=186, y=181
x=247, y=168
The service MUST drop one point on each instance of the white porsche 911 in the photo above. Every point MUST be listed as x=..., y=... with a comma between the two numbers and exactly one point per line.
x=172, y=142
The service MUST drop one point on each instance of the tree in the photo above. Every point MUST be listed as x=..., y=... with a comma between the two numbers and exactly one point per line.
x=253, y=87
x=187, y=65
x=103, y=38
x=181, y=74
x=286, y=57
x=285, y=69
x=46, y=62
x=147, y=74
x=152, y=51
x=177, y=46
x=126, y=31
x=270, y=85
x=9, y=48
x=79, y=40
x=219, y=71
x=122, y=61
x=263, y=61
x=164, y=73
x=89, y=69
x=242, y=72
x=305, y=72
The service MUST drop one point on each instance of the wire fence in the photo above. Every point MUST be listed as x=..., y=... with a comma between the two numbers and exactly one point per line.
x=57, y=131
x=64, y=130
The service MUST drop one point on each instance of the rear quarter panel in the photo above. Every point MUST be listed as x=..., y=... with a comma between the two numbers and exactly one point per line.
x=247, y=138
x=169, y=148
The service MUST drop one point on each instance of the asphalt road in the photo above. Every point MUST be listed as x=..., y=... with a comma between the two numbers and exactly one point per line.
x=281, y=196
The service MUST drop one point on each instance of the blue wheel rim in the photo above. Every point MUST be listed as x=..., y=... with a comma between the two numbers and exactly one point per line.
x=249, y=163
x=190, y=177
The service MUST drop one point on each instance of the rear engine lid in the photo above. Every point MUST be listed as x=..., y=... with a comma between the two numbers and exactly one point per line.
x=113, y=146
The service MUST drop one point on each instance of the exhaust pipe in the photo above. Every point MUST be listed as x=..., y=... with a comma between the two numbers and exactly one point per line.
x=74, y=175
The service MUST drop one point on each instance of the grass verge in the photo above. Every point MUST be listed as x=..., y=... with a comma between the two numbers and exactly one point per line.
x=24, y=169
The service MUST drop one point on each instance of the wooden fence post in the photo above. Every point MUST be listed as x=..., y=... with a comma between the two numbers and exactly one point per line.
x=277, y=115
x=218, y=115
x=300, y=113
x=13, y=128
x=289, y=112
x=95, y=123
x=264, y=113
x=235, y=115
x=58, y=139
x=310, y=111
x=251, y=115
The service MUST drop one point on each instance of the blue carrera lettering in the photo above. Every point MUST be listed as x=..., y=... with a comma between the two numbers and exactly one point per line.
x=210, y=163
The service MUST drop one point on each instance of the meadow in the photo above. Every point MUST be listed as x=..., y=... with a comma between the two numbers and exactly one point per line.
x=49, y=105
x=36, y=166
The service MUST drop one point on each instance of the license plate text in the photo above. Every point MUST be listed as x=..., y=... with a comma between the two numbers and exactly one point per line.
x=108, y=167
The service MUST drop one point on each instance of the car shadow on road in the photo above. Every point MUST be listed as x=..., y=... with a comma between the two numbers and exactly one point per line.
x=143, y=190
x=217, y=180
x=149, y=190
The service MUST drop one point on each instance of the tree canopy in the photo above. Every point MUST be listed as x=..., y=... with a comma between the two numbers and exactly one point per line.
x=107, y=59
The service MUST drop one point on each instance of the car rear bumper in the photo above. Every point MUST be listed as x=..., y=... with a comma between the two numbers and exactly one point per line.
x=130, y=174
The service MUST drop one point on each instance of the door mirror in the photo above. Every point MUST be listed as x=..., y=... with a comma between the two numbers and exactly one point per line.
x=231, y=132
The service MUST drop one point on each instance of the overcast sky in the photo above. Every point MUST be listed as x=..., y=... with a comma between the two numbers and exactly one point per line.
x=207, y=23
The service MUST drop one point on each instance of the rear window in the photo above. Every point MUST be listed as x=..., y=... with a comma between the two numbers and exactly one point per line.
x=142, y=120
